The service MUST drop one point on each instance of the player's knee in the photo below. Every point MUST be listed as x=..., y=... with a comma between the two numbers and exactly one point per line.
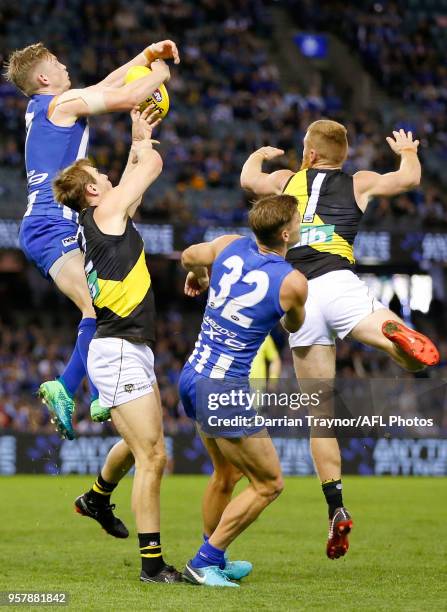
x=270, y=489
x=277, y=487
x=151, y=460
x=226, y=479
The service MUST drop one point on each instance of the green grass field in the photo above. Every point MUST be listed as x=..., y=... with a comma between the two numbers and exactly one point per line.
x=397, y=559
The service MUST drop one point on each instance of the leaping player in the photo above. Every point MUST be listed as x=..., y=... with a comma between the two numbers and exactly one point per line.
x=57, y=135
x=331, y=203
x=251, y=288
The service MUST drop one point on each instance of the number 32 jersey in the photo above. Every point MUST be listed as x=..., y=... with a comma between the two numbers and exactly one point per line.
x=243, y=306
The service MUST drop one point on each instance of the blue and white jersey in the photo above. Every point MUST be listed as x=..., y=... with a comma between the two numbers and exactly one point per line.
x=49, y=148
x=243, y=306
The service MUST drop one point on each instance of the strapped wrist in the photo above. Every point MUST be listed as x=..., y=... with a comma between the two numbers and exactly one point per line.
x=149, y=53
x=411, y=149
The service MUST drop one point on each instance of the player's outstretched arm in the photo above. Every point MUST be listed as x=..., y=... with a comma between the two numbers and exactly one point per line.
x=165, y=49
x=368, y=184
x=114, y=207
x=142, y=126
x=261, y=183
x=292, y=297
x=197, y=258
x=66, y=108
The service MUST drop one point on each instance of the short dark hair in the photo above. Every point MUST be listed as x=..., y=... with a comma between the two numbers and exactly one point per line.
x=269, y=215
x=70, y=184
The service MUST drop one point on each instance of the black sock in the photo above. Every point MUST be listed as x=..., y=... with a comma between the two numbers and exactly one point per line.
x=332, y=490
x=150, y=552
x=101, y=491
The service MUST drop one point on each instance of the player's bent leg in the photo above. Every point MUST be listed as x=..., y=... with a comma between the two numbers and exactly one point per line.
x=139, y=422
x=69, y=276
x=218, y=492
x=216, y=498
x=70, y=279
x=315, y=369
x=95, y=503
x=256, y=457
x=118, y=462
x=384, y=330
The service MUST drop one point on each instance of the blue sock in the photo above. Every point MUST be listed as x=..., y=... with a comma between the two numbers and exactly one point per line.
x=87, y=328
x=74, y=372
x=206, y=538
x=208, y=555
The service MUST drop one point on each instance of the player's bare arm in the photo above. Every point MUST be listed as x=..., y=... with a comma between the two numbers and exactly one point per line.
x=292, y=298
x=197, y=258
x=164, y=49
x=261, y=183
x=112, y=211
x=368, y=184
x=74, y=103
x=142, y=126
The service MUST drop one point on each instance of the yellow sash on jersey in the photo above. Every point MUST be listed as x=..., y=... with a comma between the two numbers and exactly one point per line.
x=122, y=297
x=297, y=187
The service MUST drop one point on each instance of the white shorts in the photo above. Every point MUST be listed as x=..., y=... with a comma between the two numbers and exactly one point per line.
x=122, y=371
x=336, y=302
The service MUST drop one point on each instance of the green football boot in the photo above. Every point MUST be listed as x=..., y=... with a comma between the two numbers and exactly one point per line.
x=98, y=413
x=60, y=405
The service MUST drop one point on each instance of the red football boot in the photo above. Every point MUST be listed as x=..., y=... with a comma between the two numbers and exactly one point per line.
x=339, y=529
x=411, y=342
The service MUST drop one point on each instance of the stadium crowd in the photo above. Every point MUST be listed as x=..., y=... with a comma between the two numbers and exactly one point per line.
x=403, y=44
x=227, y=100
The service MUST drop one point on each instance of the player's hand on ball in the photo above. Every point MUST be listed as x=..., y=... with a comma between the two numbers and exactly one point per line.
x=402, y=142
x=142, y=125
x=195, y=286
x=269, y=152
x=165, y=49
x=161, y=67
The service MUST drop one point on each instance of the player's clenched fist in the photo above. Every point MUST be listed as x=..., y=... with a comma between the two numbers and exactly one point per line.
x=268, y=152
x=402, y=142
x=165, y=49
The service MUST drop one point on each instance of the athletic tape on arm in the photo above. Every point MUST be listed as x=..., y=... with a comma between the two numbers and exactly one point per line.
x=93, y=98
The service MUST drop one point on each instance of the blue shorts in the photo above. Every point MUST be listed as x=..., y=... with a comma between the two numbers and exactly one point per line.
x=44, y=240
x=206, y=401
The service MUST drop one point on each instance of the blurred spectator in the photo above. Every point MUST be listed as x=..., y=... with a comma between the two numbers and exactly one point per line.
x=226, y=96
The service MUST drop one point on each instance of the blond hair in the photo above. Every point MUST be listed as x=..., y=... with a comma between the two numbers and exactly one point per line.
x=329, y=140
x=69, y=186
x=21, y=65
x=269, y=216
